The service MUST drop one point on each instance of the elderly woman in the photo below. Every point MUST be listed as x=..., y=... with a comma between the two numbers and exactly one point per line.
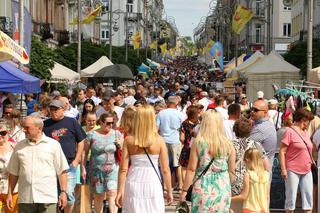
x=242, y=129
x=103, y=167
x=296, y=160
x=6, y=150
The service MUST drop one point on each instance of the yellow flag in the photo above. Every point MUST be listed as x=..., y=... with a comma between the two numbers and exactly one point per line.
x=136, y=40
x=91, y=16
x=163, y=48
x=154, y=45
x=240, y=18
x=172, y=51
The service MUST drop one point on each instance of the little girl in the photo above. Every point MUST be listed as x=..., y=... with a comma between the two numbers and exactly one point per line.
x=255, y=192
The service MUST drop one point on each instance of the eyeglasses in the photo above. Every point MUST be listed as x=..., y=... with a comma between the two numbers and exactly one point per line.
x=3, y=133
x=256, y=109
x=108, y=123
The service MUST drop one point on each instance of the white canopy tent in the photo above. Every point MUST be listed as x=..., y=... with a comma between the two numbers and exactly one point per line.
x=60, y=73
x=314, y=75
x=95, y=67
x=232, y=64
x=271, y=69
x=239, y=70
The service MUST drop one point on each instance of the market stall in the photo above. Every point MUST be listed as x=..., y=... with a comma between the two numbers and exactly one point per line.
x=91, y=70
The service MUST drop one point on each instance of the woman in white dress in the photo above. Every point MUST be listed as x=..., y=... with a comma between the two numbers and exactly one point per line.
x=140, y=189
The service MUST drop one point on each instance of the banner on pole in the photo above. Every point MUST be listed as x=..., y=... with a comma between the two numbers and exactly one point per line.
x=240, y=18
x=216, y=51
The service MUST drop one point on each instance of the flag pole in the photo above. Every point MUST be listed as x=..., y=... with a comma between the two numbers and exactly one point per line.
x=79, y=38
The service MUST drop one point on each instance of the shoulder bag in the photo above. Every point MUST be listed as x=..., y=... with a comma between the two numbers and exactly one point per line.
x=314, y=168
x=189, y=192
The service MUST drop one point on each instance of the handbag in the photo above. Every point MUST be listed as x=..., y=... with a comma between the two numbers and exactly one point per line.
x=189, y=192
x=118, y=153
x=314, y=168
x=83, y=199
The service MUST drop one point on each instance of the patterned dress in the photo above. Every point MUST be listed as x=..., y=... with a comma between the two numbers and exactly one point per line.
x=187, y=129
x=103, y=168
x=212, y=192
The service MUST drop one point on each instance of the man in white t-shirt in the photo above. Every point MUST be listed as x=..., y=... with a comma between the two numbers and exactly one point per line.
x=234, y=112
x=220, y=108
x=275, y=116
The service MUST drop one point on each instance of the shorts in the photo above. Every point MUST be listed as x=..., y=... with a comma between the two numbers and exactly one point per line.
x=174, y=151
x=72, y=181
x=304, y=181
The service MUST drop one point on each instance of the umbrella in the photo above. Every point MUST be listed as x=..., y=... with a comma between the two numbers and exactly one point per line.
x=116, y=71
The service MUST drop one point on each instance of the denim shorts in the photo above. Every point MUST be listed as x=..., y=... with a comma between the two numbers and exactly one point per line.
x=304, y=181
x=72, y=181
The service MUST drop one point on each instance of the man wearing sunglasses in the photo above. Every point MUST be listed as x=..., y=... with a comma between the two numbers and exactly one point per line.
x=71, y=136
x=263, y=130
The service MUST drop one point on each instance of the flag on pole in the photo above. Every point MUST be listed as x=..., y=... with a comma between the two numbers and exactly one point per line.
x=136, y=40
x=91, y=16
x=154, y=45
x=172, y=51
x=216, y=51
x=163, y=48
x=209, y=45
x=241, y=16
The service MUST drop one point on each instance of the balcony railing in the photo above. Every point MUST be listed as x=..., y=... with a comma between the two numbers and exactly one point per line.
x=134, y=17
x=256, y=39
x=63, y=37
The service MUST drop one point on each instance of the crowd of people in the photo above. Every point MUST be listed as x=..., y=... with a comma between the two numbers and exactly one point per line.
x=135, y=145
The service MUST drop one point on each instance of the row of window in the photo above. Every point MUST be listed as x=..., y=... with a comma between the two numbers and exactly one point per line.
x=129, y=6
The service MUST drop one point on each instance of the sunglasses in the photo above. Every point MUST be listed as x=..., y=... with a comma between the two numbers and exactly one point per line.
x=3, y=133
x=108, y=123
x=256, y=110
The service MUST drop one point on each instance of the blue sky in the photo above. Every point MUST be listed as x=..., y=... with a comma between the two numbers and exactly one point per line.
x=187, y=13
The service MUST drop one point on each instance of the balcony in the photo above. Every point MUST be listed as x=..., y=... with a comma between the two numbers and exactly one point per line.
x=134, y=17
x=256, y=39
x=46, y=30
x=5, y=25
x=63, y=37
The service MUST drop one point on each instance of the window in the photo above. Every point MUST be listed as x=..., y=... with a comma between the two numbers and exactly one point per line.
x=258, y=33
x=287, y=29
x=287, y=8
x=105, y=5
x=130, y=1
x=130, y=8
x=104, y=32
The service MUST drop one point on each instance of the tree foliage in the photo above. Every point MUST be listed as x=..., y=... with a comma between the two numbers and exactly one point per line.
x=41, y=60
x=298, y=55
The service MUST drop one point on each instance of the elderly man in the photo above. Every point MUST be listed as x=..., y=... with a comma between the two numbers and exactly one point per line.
x=35, y=164
x=264, y=130
x=71, y=137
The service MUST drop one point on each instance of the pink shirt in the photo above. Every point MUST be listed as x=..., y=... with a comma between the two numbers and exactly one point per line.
x=297, y=156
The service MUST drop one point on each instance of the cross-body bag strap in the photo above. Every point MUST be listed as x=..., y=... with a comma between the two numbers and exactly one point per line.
x=153, y=166
x=204, y=171
x=312, y=161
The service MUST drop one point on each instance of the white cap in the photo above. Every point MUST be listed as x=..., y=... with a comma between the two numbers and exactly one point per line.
x=273, y=101
x=260, y=94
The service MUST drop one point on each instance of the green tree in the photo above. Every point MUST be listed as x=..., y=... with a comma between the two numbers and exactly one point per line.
x=298, y=55
x=41, y=60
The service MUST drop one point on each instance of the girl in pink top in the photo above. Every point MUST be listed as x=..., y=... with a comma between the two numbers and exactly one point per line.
x=295, y=161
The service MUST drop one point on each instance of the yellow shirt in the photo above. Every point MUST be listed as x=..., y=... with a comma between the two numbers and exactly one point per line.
x=257, y=198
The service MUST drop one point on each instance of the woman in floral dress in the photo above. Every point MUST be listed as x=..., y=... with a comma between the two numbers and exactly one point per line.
x=103, y=167
x=212, y=192
x=186, y=136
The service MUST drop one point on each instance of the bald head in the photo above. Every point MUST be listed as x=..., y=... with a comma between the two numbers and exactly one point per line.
x=259, y=110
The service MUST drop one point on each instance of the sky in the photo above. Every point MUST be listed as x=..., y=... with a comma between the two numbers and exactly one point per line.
x=187, y=13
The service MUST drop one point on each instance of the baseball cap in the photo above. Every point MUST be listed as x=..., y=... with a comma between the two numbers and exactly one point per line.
x=57, y=103
x=260, y=94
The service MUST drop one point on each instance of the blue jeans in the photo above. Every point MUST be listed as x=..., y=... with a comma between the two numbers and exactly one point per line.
x=72, y=181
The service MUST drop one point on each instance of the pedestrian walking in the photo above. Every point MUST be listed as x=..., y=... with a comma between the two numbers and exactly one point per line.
x=36, y=164
x=212, y=191
x=255, y=193
x=296, y=160
x=140, y=187
x=70, y=135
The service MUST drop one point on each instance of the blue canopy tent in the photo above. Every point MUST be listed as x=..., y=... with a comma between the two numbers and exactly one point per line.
x=12, y=79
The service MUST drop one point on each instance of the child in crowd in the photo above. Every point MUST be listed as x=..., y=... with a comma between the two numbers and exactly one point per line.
x=256, y=184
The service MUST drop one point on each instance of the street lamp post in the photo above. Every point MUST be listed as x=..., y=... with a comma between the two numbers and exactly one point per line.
x=126, y=40
x=110, y=30
x=79, y=37
x=309, y=46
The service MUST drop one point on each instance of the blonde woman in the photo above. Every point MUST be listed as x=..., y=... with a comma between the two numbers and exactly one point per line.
x=126, y=122
x=212, y=191
x=140, y=190
x=16, y=131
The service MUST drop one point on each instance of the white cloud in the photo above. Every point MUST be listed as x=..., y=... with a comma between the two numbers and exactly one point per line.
x=187, y=13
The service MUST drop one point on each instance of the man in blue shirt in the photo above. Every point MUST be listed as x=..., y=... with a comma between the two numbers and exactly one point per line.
x=169, y=122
